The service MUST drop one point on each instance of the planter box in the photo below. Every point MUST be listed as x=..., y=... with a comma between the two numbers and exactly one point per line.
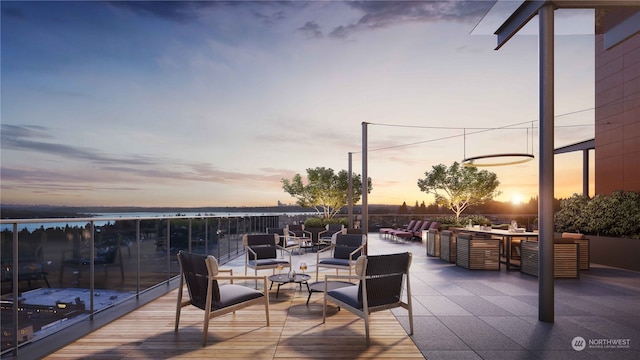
x=433, y=243
x=565, y=259
x=477, y=253
x=448, y=246
x=616, y=252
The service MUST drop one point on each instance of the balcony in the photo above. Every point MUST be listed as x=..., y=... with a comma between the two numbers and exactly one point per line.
x=458, y=313
x=67, y=271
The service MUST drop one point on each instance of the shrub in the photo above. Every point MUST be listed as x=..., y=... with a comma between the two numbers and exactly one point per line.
x=616, y=215
x=476, y=220
x=570, y=218
x=450, y=220
x=314, y=222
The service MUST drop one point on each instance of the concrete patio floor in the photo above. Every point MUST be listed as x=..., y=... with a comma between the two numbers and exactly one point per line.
x=473, y=314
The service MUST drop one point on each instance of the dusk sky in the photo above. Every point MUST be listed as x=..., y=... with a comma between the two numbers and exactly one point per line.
x=213, y=103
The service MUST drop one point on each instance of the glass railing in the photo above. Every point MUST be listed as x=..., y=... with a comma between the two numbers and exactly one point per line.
x=63, y=271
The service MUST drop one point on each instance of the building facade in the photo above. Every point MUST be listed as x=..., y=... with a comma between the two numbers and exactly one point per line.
x=617, y=106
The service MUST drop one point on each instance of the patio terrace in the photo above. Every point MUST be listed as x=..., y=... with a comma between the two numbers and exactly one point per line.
x=458, y=314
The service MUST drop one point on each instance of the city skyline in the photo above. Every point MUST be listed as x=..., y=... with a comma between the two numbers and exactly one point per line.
x=213, y=103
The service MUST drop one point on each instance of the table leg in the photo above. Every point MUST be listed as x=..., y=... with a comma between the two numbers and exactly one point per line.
x=310, y=292
x=508, y=253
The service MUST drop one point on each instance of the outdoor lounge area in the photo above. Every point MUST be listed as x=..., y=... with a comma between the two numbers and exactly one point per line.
x=457, y=313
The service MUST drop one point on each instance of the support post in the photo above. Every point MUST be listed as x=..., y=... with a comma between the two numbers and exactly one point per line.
x=585, y=172
x=350, y=192
x=546, y=165
x=365, y=187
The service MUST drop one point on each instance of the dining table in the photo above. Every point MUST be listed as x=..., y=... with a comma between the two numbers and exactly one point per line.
x=506, y=237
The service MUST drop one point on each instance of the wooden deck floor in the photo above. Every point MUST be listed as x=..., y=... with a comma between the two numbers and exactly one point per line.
x=296, y=332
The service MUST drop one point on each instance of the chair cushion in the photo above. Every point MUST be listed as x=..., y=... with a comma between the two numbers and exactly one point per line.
x=403, y=233
x=234, y=294
x=267, y=262
x=348, y=295
x=215, y=268
x=333, y=261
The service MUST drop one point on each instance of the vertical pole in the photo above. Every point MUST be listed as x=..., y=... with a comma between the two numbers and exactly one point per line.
x=92, y=266
x=206, y=235
x=189, y=233
x=365, y=187
x=350, y=193
x=14, y=288
x=138, y=240
x=168, y=250
x=585, y=172
x=546, y=164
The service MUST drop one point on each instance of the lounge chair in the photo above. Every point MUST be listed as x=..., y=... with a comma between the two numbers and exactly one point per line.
x=201, y=274
x=261, y=253
x=385, y=232
x=346, y=248
x=381, y=279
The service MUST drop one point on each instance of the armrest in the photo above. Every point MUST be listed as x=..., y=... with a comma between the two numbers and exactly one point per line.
x=239, y=277
x=283, y=249
x=287, y=251
x=250, y=251
x=329, y=277
x=359, y=248
x=246, y=277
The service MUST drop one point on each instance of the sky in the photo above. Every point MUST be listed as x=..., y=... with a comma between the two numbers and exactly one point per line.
x=191, y=104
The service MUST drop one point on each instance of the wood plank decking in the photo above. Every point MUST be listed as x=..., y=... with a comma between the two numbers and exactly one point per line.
x=296, y=332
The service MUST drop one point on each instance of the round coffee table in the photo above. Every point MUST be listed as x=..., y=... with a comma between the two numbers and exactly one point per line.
x=282, y=279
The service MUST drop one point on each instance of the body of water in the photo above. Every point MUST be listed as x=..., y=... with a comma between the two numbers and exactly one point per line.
x=31, y=225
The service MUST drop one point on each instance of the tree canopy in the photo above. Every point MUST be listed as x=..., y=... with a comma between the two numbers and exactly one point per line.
x=325, y=191
x=458, y=187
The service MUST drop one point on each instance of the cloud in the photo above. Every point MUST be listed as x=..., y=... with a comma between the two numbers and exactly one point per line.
x=12, y=12
x=15, y=131
x=185, y=11
x=20, y=138
x=270, y=19
x=311, y=30
x=178, y=11
x=127, y=170
x=379, y=14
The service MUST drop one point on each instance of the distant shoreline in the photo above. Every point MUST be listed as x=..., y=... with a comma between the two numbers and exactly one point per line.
x=54, y=211
x=50, y=211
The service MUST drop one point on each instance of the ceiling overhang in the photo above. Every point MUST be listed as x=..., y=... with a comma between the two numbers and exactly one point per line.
x=613, y=36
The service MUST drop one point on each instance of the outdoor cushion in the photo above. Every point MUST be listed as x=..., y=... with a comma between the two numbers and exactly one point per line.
x=235, y=294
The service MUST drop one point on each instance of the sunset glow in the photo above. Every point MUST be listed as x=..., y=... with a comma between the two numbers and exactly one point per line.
x=213, y=103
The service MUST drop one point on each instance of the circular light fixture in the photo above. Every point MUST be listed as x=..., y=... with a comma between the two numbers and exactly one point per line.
x=497, y=159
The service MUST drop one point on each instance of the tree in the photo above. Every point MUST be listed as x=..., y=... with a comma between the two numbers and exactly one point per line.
x=403, y=208
x=459, y=187
x=325, y=191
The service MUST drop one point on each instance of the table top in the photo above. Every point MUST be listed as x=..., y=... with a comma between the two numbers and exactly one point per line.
x=284, y=278
x=498, y=232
